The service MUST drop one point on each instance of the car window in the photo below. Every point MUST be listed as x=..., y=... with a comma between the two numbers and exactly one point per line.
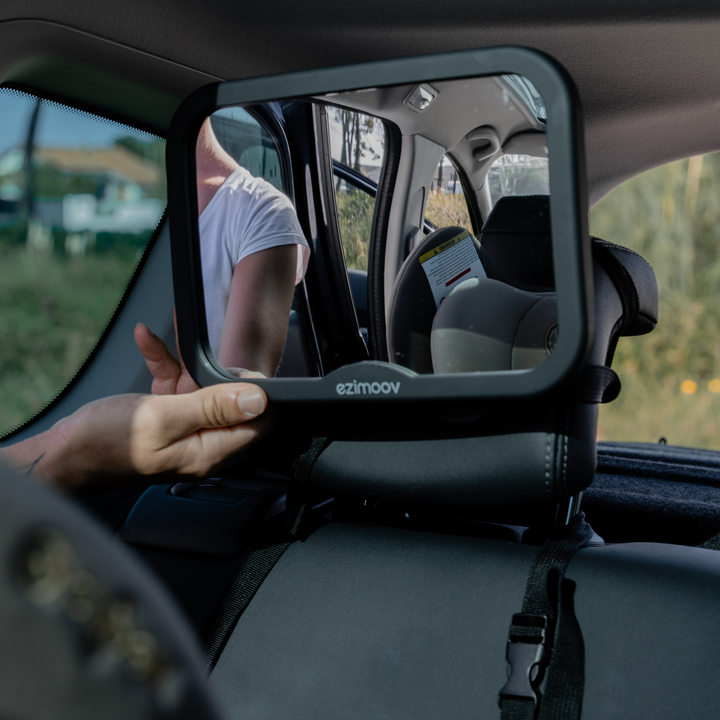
x=671, y=377
x=358, y=145
x=447, y=205
x=249, y=143
x=518, y=175
x=80, y=198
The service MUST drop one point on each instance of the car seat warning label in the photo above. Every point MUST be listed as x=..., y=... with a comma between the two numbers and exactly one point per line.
x=450, y=263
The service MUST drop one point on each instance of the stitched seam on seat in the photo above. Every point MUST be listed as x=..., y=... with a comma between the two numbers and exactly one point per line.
x=517, y=327
x=608, y=244
x=547, y=453
x=565, y=452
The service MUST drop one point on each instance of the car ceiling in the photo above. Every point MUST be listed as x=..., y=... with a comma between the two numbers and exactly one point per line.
x=647, y=72
x=460, y=106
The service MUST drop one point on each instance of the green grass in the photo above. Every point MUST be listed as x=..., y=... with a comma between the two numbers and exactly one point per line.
x=355, y=211
x=448, y=210
x=52, y=312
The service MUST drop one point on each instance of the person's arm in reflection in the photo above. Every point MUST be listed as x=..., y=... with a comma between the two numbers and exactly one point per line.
x=258, y=310
x=253, y=254
x=127, y=440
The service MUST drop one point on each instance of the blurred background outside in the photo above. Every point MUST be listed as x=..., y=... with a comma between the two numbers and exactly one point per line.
x=671, y=378
x=80, y=198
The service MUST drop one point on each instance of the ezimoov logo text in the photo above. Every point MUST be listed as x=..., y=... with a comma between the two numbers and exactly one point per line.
x=366, y=388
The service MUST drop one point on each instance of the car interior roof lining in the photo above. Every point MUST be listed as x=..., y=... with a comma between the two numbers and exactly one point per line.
x=647, y=99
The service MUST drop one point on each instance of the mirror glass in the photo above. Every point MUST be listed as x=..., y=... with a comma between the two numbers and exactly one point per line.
x=467, y=270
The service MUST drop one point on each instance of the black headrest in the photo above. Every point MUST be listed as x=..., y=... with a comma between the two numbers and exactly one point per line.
x=517, y=236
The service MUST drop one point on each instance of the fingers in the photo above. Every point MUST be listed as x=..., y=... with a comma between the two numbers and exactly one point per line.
x=164, y=367
x=217, y=406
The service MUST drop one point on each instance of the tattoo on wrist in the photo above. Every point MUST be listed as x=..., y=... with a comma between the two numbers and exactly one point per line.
x=30, y=468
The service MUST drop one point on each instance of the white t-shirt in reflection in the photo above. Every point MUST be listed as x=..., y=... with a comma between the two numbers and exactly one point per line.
x=246, y=215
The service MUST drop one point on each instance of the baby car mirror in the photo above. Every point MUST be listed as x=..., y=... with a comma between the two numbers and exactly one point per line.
x=318, y=249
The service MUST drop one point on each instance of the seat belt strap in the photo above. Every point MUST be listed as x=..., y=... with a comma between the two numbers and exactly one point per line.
x=248, y=578
x=258, y=563
x=299, y=496
x=595, y=384
x=545, y=638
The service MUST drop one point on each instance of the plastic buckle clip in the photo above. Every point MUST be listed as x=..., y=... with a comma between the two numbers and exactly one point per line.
x=527, y=654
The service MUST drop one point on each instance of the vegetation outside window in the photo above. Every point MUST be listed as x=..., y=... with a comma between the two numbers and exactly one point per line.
x=446, y=204
x=671, y=377
x=358, y=143
x=80, y=198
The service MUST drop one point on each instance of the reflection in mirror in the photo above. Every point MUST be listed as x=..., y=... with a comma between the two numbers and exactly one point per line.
x=468, y=271
x=253, y=249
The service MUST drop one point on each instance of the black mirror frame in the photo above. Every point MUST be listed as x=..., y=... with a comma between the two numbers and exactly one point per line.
x=568, y=209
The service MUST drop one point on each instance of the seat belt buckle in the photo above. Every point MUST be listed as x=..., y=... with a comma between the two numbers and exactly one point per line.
x=528, y=654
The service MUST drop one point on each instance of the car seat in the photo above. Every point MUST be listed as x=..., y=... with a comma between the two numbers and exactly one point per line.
x=397, y=602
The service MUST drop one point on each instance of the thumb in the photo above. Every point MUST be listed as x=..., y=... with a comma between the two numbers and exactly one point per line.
x=216, y=406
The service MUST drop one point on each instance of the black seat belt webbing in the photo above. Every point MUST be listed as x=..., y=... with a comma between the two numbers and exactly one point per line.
x=301, y=471
x=255, y=567
x=545, y=638
x=595, y=384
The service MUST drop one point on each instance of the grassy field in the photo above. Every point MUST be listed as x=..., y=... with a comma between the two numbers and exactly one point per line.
x=447, y=210
x=52, y=311
x=355, y=211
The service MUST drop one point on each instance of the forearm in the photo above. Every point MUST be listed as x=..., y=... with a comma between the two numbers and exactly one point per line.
x=127, y=440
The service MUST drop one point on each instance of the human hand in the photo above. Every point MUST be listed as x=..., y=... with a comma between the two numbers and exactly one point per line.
x=170, y=376
x=128, y=440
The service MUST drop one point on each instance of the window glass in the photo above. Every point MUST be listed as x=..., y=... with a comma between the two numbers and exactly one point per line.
x=80, y=198
x=358, y=144
x=446, y=205
x=671, y=377
x=529, y=93
x=518, y=175
x=249, y=143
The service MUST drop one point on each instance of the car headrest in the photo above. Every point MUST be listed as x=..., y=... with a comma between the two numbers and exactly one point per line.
x=517, y=461
x=517, y=236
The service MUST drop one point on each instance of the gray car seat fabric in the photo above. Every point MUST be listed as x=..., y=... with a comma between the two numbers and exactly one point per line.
x=85, y=631
x=412, y=306
x=488, y=325
x=366, y=622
